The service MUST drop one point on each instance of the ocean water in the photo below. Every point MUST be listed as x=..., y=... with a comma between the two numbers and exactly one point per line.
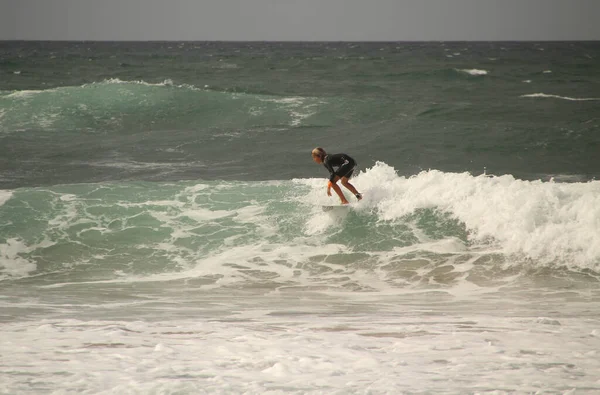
x=162, y=230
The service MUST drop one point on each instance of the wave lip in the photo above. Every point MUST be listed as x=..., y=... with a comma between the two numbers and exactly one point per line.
x=165, y=83
x=548, y=96
x=5, y=196
x=548, y=222
x=100, y=106
x=25, y=93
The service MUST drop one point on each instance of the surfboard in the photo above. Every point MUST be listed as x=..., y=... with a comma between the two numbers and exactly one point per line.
x=341, y=206
x=337, y=206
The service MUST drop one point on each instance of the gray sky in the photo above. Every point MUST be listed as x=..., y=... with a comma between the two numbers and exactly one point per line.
x=302, y=20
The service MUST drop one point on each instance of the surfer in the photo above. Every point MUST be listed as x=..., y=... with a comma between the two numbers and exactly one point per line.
x=344, y=167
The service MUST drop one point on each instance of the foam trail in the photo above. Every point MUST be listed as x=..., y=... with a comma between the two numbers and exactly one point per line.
x=474, y=72
x=5, y=196
x=166, y=83
x=544, y=95
x=25, y=93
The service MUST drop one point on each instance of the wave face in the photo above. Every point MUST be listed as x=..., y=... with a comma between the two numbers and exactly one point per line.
x=434, y=229
x=115, y=105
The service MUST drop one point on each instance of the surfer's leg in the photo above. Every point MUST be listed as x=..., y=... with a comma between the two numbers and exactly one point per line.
x=351, y=188
x=338, y=190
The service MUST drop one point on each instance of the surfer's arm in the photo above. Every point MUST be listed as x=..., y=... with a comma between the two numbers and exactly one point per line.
x=332, y=176
x=330, y=170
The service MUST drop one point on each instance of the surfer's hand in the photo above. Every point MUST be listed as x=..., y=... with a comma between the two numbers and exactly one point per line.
x=329, y=188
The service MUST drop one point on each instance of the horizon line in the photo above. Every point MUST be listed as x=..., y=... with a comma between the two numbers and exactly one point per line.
x=305, y=41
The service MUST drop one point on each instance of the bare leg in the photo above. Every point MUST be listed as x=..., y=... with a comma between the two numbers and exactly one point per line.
x=350, y=187
x=338, y=191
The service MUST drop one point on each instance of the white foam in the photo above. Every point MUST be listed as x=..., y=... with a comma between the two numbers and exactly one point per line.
x=547, y=96
x=319, y=222
x=11, y=263
x=23, y=94
x=196, y=188
x=5, y=196
x=474, y=72
x=136, y=165
x=197, y=214
x=275, y=261
x=226, y=66
x=308, y=346
x=296, y=107
x=546, y=221
x=166, y=82
x=297, y=117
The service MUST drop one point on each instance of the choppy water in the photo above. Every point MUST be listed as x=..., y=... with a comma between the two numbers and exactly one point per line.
x=161, y=228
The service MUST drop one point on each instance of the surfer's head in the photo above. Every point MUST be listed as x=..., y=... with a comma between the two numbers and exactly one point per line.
x=318, y=154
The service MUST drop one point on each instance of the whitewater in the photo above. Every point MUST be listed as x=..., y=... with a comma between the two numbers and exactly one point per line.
x=438, y=282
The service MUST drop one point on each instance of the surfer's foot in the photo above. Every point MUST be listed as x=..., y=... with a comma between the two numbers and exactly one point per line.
x=358, y=196
x=345, y=202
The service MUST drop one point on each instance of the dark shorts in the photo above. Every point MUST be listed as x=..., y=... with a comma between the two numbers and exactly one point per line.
x=346, y=170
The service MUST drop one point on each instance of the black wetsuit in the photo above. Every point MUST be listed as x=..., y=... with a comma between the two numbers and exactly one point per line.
x=345, y=165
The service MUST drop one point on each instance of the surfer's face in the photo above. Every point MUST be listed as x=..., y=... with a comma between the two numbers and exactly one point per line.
x=317, y=159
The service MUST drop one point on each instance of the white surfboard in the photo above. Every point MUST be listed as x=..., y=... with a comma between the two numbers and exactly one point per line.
x=336, y=206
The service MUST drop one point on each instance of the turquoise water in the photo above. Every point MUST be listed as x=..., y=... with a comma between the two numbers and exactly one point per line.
x=161, y=219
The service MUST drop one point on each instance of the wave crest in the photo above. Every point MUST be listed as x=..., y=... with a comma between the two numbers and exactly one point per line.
x=115, y=104
x=548, y=222
x=547, y=96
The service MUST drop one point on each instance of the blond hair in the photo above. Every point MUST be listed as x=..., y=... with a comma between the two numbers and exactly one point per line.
x=320, y=152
